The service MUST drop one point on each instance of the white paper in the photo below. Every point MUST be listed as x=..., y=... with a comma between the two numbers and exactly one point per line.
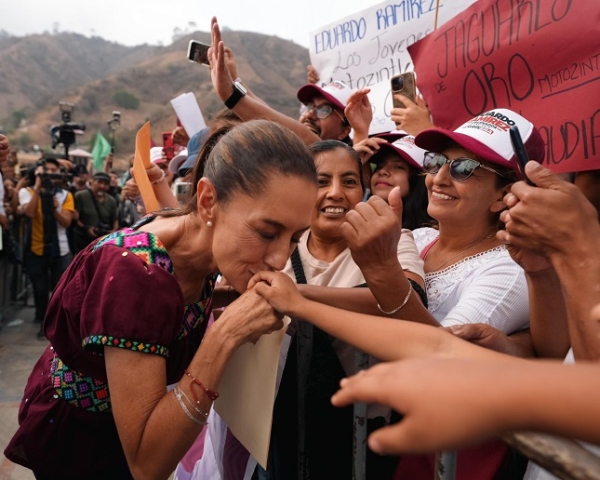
x=247, y=392
x=188, y=111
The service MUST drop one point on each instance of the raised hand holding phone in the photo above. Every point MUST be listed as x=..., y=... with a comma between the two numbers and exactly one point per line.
x=520, y=153
x=404, y=84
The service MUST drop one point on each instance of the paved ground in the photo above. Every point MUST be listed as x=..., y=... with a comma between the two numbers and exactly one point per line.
x=19, y=350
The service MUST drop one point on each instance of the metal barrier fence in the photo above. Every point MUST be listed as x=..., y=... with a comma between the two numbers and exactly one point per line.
x=564, y=458
x=13, y=281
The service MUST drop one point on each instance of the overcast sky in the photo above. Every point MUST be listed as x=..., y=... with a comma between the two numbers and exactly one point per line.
x=134, y=22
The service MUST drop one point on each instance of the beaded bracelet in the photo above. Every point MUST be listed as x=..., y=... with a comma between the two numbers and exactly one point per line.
x=211, y=393
x=185, y=409
x=391, y=312
x=195, y=405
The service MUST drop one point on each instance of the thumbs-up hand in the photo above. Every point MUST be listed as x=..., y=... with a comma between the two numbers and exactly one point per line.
x=552, y=218
x=373, y=231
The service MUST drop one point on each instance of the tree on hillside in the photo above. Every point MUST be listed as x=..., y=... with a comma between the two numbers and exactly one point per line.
x=125, y=99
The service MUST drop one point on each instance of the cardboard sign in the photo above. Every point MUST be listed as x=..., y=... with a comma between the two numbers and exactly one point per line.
x=247, y=391
x=540, y=59
x=141, y=161
x=370, y=47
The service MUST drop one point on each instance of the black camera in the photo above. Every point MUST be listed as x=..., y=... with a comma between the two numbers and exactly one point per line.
x=65, y=132
x=102, y=229
x=49, y=187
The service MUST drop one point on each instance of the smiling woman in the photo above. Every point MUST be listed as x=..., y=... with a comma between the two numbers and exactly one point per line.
x=129, y=316
x=324, y=269
x=469, y=275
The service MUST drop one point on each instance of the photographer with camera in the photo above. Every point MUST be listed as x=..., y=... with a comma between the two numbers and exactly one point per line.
x=96, y=210
x=49, y=210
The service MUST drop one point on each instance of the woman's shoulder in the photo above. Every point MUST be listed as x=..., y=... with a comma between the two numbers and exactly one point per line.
x=145, y=245
x=424, y=236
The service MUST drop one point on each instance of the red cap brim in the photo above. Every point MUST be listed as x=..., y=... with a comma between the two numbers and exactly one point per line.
x=437, y=139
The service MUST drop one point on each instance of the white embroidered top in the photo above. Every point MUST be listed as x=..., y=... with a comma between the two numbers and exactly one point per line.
x=488, y=287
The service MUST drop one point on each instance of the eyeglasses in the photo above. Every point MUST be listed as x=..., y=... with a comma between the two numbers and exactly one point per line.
x=460, y=168
x=321, y=111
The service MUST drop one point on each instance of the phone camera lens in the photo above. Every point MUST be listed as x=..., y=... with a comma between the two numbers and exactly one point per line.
x=398, y=84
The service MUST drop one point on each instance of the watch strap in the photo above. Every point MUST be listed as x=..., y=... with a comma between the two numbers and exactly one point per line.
x=235, y=97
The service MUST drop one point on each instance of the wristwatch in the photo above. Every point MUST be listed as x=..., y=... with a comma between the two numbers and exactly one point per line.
x=239, y=91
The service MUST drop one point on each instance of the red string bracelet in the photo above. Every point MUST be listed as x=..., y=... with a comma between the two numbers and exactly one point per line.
x=211, y=393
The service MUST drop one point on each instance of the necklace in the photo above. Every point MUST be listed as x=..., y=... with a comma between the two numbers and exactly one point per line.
x=459, y=253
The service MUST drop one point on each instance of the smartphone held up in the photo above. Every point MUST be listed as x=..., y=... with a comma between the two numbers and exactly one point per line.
x=198, y=52
x=404, y=84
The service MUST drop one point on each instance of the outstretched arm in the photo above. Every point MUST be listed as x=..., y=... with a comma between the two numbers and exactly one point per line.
x=383, y=338
x=450, y=403
x=248, y=108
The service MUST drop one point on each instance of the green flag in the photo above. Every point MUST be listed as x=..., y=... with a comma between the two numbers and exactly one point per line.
x=100, y=151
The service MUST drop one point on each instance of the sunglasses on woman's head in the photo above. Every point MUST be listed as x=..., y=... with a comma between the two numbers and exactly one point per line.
x=460, y=168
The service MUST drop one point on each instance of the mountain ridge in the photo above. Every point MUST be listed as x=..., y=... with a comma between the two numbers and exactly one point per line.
x=40, y=70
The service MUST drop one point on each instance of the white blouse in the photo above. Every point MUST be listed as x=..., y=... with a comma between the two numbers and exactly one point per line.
x=488, y=287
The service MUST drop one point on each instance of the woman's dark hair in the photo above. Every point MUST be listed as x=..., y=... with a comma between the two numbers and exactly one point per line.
x=414, y=205
x=242, y=159
x=324, y=146
x=506, y=177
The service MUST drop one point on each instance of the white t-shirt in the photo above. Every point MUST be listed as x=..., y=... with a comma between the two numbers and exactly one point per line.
x=488, y=287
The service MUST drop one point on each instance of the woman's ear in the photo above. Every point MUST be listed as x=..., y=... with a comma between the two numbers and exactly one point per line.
x=498, y=204
x=206, y=200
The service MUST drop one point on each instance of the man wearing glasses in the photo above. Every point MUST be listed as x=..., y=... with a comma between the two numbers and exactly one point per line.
x=324, y=120
x=323, y=111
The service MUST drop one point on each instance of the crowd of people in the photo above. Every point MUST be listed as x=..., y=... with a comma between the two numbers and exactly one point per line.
x=422, y=274
x=51, y=210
